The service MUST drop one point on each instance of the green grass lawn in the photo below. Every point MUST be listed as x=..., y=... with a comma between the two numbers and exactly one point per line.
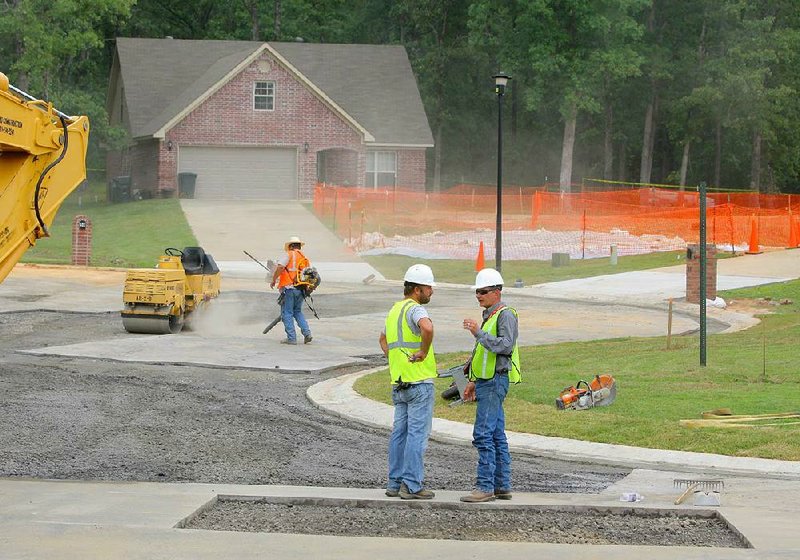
x=751, y=372
x=129, y=234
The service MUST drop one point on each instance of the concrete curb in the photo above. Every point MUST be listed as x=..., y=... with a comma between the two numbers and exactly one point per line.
x=337, y=396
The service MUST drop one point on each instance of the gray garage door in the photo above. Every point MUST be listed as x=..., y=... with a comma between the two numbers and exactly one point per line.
x=241, y=173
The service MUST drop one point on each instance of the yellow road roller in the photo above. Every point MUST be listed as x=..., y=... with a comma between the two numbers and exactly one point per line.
x=161, y=300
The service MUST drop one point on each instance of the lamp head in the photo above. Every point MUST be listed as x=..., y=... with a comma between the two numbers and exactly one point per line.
x=500, y=82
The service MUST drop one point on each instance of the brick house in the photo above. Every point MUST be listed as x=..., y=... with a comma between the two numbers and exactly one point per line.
x=265, y=120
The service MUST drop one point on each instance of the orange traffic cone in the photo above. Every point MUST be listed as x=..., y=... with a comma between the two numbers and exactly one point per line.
x=793, y=241
x=754, y=248
x=479, y=262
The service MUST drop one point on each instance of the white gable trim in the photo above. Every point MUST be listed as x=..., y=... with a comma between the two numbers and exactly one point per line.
x=161, y=132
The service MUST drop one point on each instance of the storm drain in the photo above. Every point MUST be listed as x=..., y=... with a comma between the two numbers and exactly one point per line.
x=472, y=522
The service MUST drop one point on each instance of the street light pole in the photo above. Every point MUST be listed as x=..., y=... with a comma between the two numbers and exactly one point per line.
x=500, y=82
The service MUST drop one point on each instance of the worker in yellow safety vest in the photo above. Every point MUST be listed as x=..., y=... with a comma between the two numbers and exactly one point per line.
x=407, y=341
x=493, y=365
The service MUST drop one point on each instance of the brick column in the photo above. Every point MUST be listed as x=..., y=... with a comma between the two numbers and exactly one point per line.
x=693, y=273
x=81, y=240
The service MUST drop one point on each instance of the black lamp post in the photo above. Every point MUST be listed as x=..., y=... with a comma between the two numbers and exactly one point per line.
x=500, y=82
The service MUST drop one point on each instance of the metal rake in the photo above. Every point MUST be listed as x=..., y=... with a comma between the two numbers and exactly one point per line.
x=697, y=484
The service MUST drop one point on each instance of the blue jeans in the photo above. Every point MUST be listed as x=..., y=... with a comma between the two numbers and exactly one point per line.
x=291, y=310
x=413, y=415
x=489, y=435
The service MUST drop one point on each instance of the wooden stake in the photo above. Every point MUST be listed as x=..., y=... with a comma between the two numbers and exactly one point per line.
x=669, y=325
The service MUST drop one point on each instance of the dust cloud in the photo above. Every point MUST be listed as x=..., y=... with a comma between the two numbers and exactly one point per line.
x=233, y=315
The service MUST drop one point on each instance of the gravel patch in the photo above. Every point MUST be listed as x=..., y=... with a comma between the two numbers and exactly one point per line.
x=620, y=526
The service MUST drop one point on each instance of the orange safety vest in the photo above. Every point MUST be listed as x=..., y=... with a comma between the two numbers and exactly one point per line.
x=290, y=275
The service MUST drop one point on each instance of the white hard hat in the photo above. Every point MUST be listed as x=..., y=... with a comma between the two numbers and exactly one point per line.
x=487, y=277
x=293, y=239
x=420, y=274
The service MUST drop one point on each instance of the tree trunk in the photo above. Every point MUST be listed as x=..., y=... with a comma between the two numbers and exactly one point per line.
x=565, y=180
x=608, y=144
x=437, y=160
x=648, y=140
x=718, y=155
x=685, y=162
x=622, y=170
x=277, y=28
x=755, y=164
x=514, y=111
x=254, y=30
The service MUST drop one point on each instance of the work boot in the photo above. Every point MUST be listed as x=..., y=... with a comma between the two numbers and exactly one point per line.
x=392, y=492
x=422, y=494
x=502, y=494
x=477, y=496
x=291, y=342
x=307, y=338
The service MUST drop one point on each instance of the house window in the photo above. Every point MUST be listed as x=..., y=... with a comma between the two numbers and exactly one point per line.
x=264, y=96
x=381, y=169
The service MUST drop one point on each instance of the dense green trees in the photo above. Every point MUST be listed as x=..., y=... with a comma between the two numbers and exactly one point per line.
x=676, y=91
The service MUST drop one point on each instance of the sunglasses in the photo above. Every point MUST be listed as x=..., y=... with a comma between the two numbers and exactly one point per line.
x=484, y=291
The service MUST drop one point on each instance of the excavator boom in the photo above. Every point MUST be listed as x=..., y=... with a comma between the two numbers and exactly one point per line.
x=42, y=160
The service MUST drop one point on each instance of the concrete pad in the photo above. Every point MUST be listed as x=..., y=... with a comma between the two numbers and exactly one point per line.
x=196, y=350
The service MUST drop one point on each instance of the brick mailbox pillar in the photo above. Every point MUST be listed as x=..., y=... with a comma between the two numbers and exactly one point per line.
x=693, y=273
x=81, y=241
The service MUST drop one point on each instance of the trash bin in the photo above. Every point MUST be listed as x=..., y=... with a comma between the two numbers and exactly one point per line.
x=186, y=183
x=120, y=189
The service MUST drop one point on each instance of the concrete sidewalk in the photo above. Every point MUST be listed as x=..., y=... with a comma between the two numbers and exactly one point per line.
x=658, y=285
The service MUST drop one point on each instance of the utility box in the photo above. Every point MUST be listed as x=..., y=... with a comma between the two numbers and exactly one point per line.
x=693, y=273
x=560, y=259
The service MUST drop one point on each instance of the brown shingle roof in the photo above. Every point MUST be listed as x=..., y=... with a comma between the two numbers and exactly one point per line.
x=373, y=84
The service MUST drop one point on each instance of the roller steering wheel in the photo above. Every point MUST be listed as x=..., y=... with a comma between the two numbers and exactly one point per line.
x=173, y=252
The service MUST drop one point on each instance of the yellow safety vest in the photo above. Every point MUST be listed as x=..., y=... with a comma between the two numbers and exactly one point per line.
x=483, y=361
x=402, y=343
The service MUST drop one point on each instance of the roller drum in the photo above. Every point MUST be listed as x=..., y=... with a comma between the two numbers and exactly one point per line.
x=152, y=324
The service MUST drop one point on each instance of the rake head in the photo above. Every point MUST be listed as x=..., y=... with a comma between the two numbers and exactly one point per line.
x=699, y=483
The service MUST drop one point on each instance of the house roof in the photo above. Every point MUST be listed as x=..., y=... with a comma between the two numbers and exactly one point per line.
x=372, y=86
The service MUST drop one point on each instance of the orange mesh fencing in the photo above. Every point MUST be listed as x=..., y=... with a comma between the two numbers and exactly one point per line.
x=538, y=223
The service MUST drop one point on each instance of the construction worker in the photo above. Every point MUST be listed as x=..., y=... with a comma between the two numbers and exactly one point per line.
x=494, y=363
x=407, y=341
x=287, y=276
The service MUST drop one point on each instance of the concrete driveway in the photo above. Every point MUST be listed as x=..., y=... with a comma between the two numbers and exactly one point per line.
x=226, y=228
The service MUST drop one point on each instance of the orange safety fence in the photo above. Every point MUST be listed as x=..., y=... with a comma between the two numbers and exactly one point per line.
x=538, y=223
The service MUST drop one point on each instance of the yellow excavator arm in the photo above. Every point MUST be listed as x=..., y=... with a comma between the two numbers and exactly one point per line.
x=42, y=160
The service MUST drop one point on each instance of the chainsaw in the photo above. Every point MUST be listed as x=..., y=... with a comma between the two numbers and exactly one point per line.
x=601, y=391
